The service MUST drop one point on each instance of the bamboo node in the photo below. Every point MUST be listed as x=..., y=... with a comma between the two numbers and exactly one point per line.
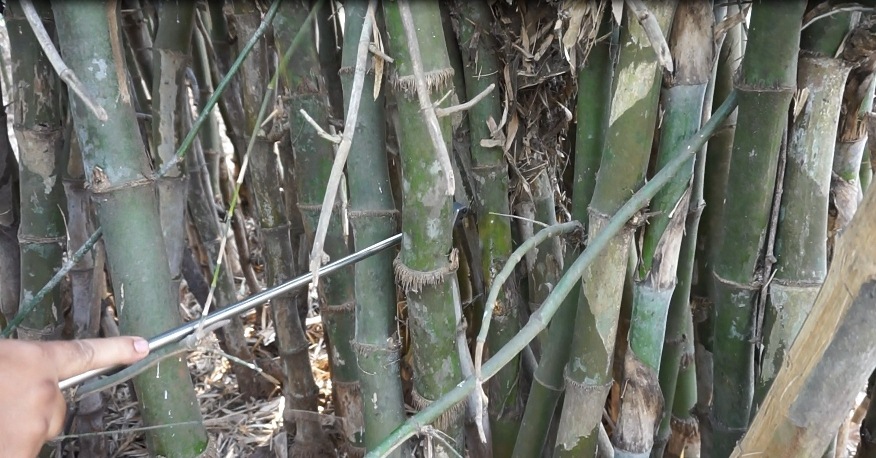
x=434, y=80
x=277, y=228
x=318, y=207
x=585, y=387
x=637, y=220
x=391, y=213
x=412, y=280
x=346, y=307
x=447, y=418
x=687, y=426
x=100, y=182
x=388, y=354
x=25, y=239
x=754, y=286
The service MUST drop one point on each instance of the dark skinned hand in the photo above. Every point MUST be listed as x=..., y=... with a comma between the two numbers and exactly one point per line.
x=32, y=408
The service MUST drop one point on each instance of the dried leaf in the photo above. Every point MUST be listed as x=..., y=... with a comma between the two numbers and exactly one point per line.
x=497, y=137
x=576, y=10
x=513, y=125
x=378, y=61
x=800, y=98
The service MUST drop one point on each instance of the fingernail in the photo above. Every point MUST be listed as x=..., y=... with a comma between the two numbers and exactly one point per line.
x=141, y=345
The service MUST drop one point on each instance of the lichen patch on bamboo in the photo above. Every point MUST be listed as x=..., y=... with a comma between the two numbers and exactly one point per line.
x=42, y=143
x=633, y=92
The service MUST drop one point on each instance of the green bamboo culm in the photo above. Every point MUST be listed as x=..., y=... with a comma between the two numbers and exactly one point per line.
x=373, y=217
x=766, y=83
x=481, y=68
x=800, y=249
x=690, y=44
x=625, y=157
x=312, y=157
x=718, y=153
x=544, y=264
x=39, y=130
x=679, y=430
x=866, y=172
x=426, y=264
x=571, y=280
x=88, y=285
x=594, y=91
x=114, y=158
x=171, y=52
x=299, y=386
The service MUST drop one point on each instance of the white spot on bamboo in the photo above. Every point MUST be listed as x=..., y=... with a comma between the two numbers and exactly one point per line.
x=98, y=67
x=633, y=91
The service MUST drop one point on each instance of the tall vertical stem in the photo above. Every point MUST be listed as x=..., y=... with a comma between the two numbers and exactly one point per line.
x=766, y=83
x=116, y=167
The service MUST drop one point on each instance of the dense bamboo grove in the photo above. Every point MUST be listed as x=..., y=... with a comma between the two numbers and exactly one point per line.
x=632, y=228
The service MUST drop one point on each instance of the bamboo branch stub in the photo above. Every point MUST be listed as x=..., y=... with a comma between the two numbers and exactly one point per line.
x=441, y=112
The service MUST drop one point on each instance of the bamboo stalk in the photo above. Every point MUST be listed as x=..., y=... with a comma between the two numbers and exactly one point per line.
x=299, y=386
x=800, y=249
x=718, y=155
x=766, y=84
x=39, y=131
x=821, y=376
x=594, y=90
x=570, y=280
x=426, y=264
x=171, y=51
x=87, y=287
x=330, y=54
x=683, y=93
x=200, y=205
x=852, y=133
x=314, y=160
x=214, y=154
x=230, y=105
x=624, y=162
x=114, y=160
x=137, y=34
x=478, y=52
x=373, y=217
x=677, y=359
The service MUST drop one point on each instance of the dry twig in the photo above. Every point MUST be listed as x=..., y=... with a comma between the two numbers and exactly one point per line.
x=331, y=191
x=652, y=30
x=426, y=105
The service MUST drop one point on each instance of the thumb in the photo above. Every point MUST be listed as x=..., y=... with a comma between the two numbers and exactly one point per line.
x=73, y=357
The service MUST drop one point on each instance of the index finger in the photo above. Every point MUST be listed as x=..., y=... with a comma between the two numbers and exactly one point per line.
x=73, y=357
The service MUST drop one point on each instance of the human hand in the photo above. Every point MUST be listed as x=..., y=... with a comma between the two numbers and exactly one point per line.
x=32, y=408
